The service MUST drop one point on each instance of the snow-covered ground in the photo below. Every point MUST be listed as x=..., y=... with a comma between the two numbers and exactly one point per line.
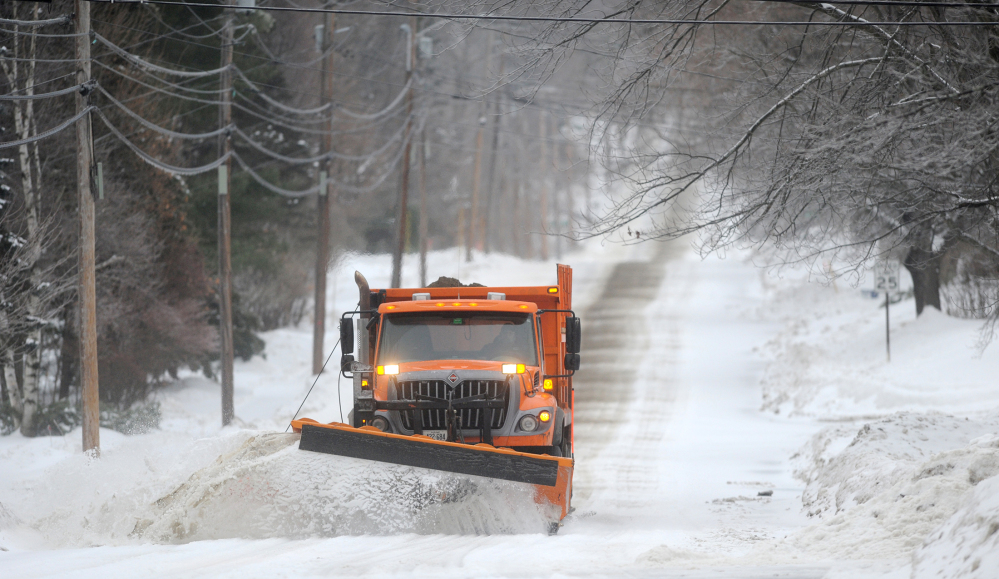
x=731, y=424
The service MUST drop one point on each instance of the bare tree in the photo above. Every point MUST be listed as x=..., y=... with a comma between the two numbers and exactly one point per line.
x=19, y=73
x=824, y=143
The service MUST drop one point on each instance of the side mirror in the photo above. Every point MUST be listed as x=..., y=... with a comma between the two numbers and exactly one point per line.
x=573, y=335
x=346, y=336
x=346, y=360
x=571, y=362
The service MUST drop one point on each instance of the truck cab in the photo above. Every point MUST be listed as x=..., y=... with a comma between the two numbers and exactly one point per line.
x=472, y=365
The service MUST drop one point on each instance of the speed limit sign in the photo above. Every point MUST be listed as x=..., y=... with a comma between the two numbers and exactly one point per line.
x=886, y=279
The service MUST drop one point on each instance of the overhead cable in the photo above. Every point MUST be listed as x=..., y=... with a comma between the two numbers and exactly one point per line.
x=377, y=115
x=154, y=127
x=41, y=35
x=270, y=186
x=247, y=110
x=330, y=155
x=256, y=91
x=387, y=170
x=279, y=60
x=155, y=67
x=62, y=19
x=173, y=85
x=276, y=155
x=180, y=31
x=902, y=3
x=43, y=82
x=568, y=19
x=89, y=85
x=339, y=109
x=49, y=132
x=172, y=169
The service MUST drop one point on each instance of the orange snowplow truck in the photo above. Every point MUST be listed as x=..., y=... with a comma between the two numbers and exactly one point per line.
x=471, y=380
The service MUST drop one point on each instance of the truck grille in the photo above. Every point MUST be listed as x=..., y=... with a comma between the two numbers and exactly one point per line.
x=434, y=419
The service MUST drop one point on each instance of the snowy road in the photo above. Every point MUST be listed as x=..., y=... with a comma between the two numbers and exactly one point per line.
x=672, y=452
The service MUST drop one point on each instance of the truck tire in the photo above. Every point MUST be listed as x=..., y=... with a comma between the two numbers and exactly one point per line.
x=566, y=442
x=559, y=428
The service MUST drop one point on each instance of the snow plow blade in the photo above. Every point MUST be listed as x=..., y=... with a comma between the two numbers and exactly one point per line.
x=550, y=475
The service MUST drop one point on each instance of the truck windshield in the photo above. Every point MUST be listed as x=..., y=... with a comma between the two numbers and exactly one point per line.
x=498, y=337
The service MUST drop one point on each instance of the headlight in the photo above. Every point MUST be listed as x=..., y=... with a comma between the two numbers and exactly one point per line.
x=544, y=415
x=380, y=423
x=390, y=369
x=528, y=423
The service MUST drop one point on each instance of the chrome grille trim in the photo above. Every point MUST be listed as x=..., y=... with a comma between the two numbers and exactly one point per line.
x=433, y=419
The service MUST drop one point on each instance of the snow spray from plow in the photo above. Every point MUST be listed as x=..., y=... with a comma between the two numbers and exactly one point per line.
x=267, y=488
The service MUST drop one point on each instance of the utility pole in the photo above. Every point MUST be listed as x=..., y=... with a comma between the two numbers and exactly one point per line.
x=423, y=207
x=491, y=180
x=224, y=218
x=543, y=142
x=87, y=276
x=404, y=186
x=476, y=173
x=322, y=199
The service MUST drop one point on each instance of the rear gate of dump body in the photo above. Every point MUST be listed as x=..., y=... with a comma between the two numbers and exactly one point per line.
x=550, y=475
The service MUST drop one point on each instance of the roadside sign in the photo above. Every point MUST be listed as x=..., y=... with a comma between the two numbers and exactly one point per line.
x=886, y=280
x=886, y=276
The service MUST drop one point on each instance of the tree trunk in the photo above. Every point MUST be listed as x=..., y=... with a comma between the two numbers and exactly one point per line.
x=25, y=127
x=29, y=390
x=13, y=392
x=924, y=267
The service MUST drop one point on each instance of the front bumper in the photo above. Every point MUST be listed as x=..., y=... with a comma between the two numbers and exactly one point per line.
x=488, y=405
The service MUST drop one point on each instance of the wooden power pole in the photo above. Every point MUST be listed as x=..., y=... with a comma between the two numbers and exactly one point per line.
x=224, y=219
x=400, y=246
x=543, y=143
x=476, y=172
x=87, y=292
x=323, y=200
x=423, y=207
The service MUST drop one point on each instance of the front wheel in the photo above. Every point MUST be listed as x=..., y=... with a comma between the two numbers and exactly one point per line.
x=565, y=445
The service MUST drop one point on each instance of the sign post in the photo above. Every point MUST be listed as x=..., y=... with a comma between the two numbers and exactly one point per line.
x=887, y=281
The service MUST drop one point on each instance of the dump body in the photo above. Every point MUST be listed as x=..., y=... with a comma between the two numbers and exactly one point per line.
x=471, y=380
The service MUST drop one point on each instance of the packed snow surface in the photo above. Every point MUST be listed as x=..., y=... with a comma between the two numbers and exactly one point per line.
x=729, y=423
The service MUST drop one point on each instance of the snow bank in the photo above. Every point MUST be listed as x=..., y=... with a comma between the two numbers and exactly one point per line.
x=829, y=359
x=904, y=461
x=898, y=480
x=269, y=488
x=967, y=545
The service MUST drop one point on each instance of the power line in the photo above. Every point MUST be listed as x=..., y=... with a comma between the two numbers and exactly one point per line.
x=67, y=123
x=254, y=86
x=174, y=170
x=567, y=19
x=61, y=19
x=156, y=128
x=906, y=3
x=87, y=86
x=141, y=63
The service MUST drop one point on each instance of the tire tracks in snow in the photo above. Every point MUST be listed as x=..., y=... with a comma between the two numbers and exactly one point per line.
x=620, y=419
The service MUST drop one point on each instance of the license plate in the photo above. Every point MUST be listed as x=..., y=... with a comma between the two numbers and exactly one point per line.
x=436, y=434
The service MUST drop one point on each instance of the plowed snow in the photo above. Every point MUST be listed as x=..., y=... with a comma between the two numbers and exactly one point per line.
x=269, y=488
